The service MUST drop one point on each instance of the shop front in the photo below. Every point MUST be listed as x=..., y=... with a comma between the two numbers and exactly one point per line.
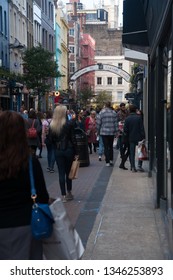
x=154, y=37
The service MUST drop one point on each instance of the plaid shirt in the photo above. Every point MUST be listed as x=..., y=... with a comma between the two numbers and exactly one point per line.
x=106, y=122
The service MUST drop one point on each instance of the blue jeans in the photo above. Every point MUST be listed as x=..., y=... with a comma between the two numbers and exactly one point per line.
x=64, y=159
x=132, y=150
x=101, y=146
x=50, y=156
x=140, y=162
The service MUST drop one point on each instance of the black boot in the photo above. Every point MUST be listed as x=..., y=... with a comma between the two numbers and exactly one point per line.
x=123, y=167
x=123, y=160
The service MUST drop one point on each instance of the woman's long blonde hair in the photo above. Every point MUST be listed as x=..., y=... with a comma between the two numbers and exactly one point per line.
x=59, y=119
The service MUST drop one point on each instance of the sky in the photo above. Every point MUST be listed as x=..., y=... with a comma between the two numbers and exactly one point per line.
x=91, y=3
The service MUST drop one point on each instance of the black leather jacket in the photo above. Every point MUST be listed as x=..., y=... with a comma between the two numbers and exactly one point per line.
x=66, y=139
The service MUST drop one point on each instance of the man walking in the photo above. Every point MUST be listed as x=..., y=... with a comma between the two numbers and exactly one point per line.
x=134, y=130
x=107, y=127
x=123, y=146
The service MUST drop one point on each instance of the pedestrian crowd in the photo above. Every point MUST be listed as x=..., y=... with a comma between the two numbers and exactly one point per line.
x=27, y=133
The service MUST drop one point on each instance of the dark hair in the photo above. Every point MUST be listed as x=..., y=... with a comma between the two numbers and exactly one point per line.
x=40, y=115
x=132, y=108
x=122, y=104
x=108, y=104
x=14, y=151
x=49, y=114
x=32, y=114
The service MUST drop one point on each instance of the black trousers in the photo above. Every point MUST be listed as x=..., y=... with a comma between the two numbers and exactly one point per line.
x=108, y=147
x=64, y=159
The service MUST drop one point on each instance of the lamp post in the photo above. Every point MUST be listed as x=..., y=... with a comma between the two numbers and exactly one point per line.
x=16, y=50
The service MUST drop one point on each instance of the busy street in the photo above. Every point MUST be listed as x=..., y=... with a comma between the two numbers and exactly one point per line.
x=86, y=93
x=113, y=204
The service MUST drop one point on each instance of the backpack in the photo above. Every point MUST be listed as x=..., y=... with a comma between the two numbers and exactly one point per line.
x=32, y=132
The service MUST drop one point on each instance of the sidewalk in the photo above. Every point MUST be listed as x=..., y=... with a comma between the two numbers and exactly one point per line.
x=127, y=226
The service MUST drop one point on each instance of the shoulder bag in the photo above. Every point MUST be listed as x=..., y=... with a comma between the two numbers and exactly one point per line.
x=74, y=169
x=41, y=218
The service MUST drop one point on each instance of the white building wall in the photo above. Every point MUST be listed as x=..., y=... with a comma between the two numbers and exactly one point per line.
x=116, y=90
x=112, y=10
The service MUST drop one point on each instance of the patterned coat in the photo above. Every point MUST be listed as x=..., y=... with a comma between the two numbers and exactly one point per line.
x=107, y=122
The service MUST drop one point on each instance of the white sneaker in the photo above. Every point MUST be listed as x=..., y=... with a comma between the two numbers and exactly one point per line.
x=69, y=196
x=107, y=164
x=64, y=199
x=111, y=162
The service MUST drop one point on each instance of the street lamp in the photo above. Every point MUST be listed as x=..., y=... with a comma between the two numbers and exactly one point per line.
x=16, y=45
x=16, y=49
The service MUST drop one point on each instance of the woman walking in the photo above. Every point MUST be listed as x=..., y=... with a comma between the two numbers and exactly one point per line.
x=48, y=143
x=32, y=121
x=62, y=135
x=16, y=241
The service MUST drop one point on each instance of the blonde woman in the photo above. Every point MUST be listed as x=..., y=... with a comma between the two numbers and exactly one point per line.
x=62, y=135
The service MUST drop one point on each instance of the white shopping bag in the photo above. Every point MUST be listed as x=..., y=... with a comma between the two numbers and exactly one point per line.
x=65, y=242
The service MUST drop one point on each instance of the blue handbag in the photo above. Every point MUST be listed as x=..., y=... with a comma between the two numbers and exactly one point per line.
x=41, y=218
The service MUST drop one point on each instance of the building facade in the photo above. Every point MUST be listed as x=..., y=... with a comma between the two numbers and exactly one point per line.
x=148, y=27
x=115, y=85
x=37, y=30
x=29, y=18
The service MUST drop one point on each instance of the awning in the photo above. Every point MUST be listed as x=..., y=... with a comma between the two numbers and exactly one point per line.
x=135, y=33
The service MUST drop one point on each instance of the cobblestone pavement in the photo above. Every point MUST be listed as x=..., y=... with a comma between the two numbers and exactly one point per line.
x=88, y=190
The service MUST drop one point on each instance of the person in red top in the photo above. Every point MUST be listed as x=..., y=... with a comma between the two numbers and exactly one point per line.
x=90, y=128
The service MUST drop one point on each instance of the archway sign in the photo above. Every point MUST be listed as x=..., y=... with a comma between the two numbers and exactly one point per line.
x=101, y=67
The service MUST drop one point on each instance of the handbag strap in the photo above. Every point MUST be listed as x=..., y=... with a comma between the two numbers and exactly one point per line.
x=33, y=190
x=33, y=122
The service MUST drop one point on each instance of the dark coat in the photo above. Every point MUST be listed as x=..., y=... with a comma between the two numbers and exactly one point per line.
x=66, y=139
x=134, y=128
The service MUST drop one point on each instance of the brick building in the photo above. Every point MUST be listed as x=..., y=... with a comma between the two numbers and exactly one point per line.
x=87, y=45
